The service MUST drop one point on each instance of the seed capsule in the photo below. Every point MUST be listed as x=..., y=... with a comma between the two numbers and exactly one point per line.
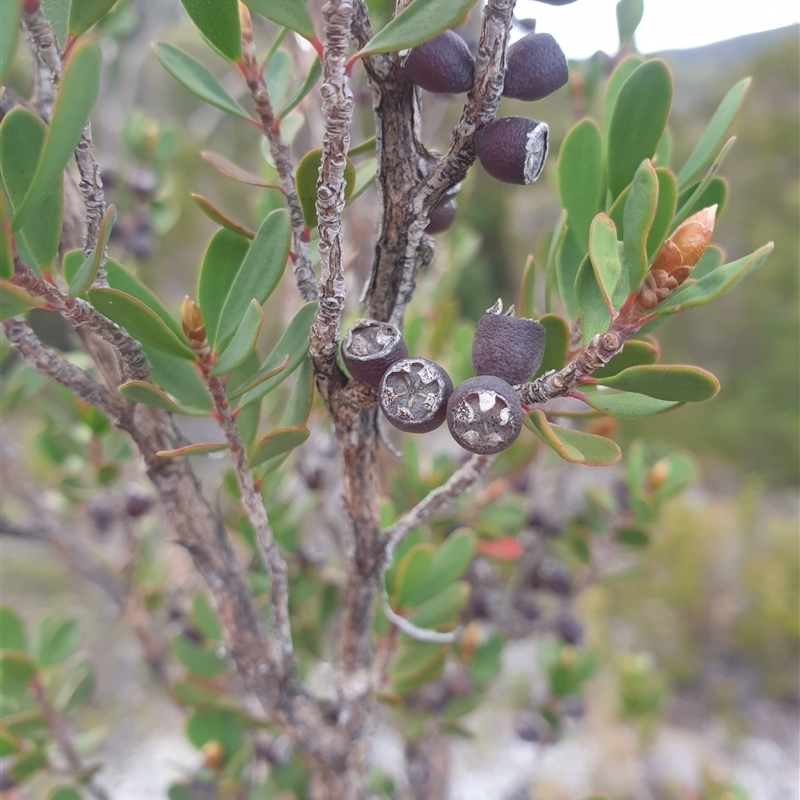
x=370, y=348
x=441, y=216
x=484, y=415
x=414, y=393
x=509, y=347
x=443, y=65
x=535, y=67
x=513, y=149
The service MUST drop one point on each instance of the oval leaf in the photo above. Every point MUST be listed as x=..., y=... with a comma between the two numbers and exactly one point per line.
x=714, y=133
x=681, y=384
x=665, y=211
x=243, y=342
x=416, y=664
x=441, y=611
x=417, y=23
x=604, y=255
x=85, y=13
x=87, y=272
x=290, y=14
x=618, y=77
x=22, y=136
x=180, y=378
x=12, y=630
x=259, y=273
x=149, y=395
x=635, y=352
x=568, y=262
x=593, y=306
x=10, y=12
x=449, y=562
x=686, y=207
x=56, y=641
x=556, y=343
x=218, y=21
x=574, y=446
x=278, y=442
x=75, y=98
x=637, y=122
x=197, y=79
x=193, y=450
x=411, y=574
x=140, y=321
x=627, y=405
x=640, y=211
x=197, y=659
x=714, y=194
x=580, y=179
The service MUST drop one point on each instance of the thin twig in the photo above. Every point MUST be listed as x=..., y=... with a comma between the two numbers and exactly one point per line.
x=414, y=631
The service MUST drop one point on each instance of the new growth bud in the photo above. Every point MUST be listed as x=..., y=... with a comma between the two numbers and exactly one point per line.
x=676, y=259
x=194, y=325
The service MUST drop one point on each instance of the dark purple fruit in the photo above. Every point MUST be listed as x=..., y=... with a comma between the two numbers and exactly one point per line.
x=535, y=67
x=441, y=216
x=553, y=577
x=443, y=65
x=137, y=502
x=370, y=348
x=570, y=630
x=513, y=149
x=484, y=415
x=509, y=347
x=414, y=393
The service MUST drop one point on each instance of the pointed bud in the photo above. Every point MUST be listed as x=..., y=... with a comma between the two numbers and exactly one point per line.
x=194, y=325
x=248, y=41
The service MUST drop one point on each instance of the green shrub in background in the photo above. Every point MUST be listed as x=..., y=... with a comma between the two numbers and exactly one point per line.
x=419, y=584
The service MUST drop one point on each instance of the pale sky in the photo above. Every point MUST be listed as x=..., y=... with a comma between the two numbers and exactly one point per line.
x=590, y=25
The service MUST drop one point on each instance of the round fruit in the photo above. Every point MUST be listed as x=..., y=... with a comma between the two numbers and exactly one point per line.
x=414, y=393
x=509, y=347
x=441, y=216
x=513, y=149
x=484, y=415
x=370, y=348
x=443, y=65
x=535, y=67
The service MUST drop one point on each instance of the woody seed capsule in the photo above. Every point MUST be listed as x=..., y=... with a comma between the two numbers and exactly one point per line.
x=413, y=395
x=513, y=149
x=443, y=65
x=370, y=348
x=509, y=347
x=535, y=67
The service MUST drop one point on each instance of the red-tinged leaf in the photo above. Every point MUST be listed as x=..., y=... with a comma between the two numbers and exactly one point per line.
x=220, y=217
x=506, y=548
x=193, y=450
x=278, y=442
x=149, y=395
x=666, y=382
x=231, y=170
x=15, y=301
x=574, y=446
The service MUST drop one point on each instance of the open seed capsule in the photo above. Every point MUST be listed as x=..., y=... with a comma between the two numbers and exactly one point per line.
x=370, y=348
x=513, y=149
x=509, y=347
x=413, y=395
x=484, y=415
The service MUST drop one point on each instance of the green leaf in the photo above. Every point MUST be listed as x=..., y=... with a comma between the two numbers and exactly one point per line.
x=308, y=84
x=637, y=122
x=243, y=342
x=22, y=137
x=16, y=666
x=629, y=15
x=615, y=83
x=246, y=379
x=149, y=395
x=291, y=14
x=441, y=611
x=306, y=177
x=26, y=724
x=180, y=378
x=713, y=134
x=553, y=254
x=685, y=208
x=197, y=659
x=8, y=744
x=86, y=274
x=278, y=74
x=604, y=256
x=259, y=272
x=294, y=343
x=26, y=765
x=568, y=262
x=593, y=306
x=193, y=694
x=220, y=726
x=85, y=13
x=75, y=98
x=194, y=450
x=640, y=211
x=526, y=284
x=574, y=446
x=417, y=23
x=635, y=352
x=718, y=282
x=449, y=562
x=714, y=193
x=15, y=300
x=665, y=382
x=416, y=664
x=634, y=537
x=56, y=641
x=57, y=13
x=197, y=79
x=77, y=689
x=220, y=217
x=665, y=211
x=556, y=343
x=206, y=618
x=6, y=254
x=221, y=262
x=278, y=442
x=627, y=405
x=10, y=13
x=580, y=179
x=411, y=574
x=712, y=258
x=664, y=149
x=140, y=321
x=218, y=21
